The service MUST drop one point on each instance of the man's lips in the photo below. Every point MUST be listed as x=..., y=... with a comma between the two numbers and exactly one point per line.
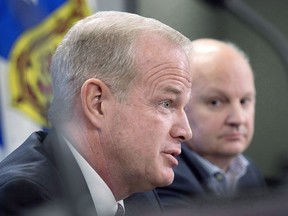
x=171, y=155
x=232, y=136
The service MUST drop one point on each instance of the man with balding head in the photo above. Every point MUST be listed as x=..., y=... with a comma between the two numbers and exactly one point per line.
x=221, y=115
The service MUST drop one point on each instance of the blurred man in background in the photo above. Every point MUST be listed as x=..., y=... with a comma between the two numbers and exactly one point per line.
x=221, y=115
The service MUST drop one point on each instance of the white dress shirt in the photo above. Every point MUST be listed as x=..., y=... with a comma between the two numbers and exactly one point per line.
x=103, y=198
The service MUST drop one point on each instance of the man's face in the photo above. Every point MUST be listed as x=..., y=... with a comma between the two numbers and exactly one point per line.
x=221, y=109
x=148, y=127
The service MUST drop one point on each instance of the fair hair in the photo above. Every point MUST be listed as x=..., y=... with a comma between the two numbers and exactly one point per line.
x=101, y=46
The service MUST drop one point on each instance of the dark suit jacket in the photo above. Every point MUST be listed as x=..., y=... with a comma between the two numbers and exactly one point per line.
x=190, y=183
x=43, y=173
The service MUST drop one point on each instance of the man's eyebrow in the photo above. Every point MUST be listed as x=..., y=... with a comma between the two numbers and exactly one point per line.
x=172, y=89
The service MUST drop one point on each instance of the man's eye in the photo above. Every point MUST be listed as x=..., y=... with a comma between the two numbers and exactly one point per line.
x=166, y=104
x=215, y=102
x=245, y=101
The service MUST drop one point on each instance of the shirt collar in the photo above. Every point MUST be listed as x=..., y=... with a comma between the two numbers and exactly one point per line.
x=238, y=165
x=103, y=198
x=211, y=168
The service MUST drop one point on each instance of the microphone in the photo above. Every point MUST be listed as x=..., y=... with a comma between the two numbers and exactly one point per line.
x=257, y=23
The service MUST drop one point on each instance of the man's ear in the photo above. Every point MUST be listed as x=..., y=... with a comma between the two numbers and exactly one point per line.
x=93, y=93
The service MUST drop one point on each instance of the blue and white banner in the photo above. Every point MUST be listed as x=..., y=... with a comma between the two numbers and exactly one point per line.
x=30, y=32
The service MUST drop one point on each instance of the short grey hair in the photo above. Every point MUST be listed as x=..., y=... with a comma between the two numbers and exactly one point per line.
x=101, y=46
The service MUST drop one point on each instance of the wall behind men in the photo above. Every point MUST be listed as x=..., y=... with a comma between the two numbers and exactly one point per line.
x=195, y=19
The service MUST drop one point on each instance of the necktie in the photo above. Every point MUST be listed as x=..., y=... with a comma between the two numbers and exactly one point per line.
x=120, y=210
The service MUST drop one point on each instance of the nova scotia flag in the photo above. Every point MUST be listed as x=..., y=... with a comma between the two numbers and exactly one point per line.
x=30, y=30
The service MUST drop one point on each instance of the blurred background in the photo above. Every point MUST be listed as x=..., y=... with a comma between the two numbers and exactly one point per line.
x=27, y=45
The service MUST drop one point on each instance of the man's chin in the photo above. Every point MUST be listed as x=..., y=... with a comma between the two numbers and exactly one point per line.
x=167, y=180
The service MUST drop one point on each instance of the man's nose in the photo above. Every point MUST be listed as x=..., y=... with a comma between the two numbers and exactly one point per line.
x=236, y=114
x=182, y=129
